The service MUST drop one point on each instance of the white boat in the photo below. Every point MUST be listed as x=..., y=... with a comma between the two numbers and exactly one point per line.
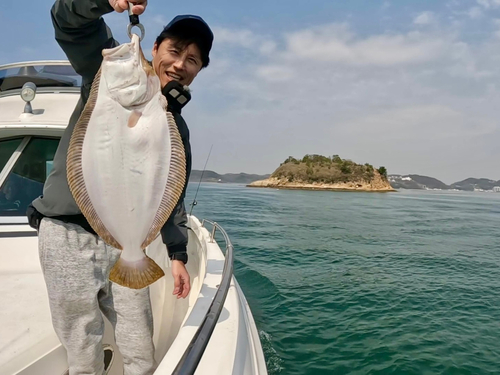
x=212, y=332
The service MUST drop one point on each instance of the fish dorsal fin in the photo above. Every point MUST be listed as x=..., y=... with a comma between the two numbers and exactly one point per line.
x=75, y=171
x=175, y=182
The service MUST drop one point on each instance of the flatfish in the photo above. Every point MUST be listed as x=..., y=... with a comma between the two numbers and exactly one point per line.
x=126, y=161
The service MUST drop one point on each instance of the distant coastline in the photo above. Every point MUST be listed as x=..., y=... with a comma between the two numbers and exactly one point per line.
x=397, y=182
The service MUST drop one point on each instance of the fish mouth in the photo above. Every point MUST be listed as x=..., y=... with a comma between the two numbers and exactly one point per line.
x=130, y=79
x=123, y=51
x=127, y=52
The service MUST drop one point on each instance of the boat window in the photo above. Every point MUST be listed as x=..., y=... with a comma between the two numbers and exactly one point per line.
x=48, y=75
x=25, y=182
x=7, y=148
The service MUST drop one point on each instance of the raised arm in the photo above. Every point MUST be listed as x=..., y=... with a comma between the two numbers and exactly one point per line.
x=82, y=33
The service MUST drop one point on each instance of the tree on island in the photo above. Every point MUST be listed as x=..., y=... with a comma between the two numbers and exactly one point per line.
x=383, y=171
x=336, y=159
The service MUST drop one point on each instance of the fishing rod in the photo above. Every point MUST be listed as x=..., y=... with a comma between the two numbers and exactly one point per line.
x=199, y=184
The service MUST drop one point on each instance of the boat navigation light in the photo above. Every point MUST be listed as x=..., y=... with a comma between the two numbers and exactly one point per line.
x=28, y=93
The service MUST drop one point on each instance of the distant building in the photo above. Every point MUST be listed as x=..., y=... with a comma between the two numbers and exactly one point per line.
x=496, y=189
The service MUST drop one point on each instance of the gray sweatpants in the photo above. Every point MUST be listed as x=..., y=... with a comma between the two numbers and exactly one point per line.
x=76, y=267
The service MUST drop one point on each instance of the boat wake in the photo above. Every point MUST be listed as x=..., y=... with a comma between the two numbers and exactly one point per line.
x=260, y=291
x=273, y=360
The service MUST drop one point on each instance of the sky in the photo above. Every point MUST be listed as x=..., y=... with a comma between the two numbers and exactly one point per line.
x=410, y=85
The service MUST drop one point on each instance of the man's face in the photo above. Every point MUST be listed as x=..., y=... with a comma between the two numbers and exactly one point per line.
x=173, y=64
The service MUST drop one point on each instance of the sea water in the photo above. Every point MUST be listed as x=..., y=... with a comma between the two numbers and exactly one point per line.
x=366, y=283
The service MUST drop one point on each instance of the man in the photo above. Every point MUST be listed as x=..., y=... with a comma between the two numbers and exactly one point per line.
x=75, y=261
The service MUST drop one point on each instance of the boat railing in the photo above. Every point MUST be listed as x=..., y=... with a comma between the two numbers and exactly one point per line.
x=192, y=356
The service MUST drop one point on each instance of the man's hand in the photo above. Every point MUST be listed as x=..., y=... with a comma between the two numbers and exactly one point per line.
x=122, y=5
x=182, y=285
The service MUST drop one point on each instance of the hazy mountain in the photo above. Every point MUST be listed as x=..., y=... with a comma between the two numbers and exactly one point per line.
x=403, y=182
x=237, y=178
x=430, y=182
x=475, y=183
x=415, y=181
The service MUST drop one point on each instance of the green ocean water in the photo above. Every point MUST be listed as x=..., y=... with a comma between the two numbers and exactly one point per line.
x=366, y=283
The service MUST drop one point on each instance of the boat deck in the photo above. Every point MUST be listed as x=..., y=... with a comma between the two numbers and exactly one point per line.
x=29, y=345
x=25, y=313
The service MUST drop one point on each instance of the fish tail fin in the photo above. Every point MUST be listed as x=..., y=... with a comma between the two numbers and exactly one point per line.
x=135, y=275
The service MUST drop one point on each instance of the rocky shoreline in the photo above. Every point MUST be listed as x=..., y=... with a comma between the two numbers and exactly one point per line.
x=376, y=185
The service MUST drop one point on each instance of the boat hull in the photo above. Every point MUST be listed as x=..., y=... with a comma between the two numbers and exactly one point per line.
x=29, y=346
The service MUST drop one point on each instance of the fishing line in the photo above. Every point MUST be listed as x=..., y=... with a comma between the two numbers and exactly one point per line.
x=199, y=184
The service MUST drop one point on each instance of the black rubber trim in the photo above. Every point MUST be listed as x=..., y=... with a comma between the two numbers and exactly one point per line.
x=192, y=356
x=26, y=233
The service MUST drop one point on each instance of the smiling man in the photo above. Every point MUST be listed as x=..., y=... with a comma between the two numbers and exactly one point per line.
x=181, y=50
x=75, y=261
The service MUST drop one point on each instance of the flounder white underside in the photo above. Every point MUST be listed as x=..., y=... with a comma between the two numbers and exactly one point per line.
x=126, y=170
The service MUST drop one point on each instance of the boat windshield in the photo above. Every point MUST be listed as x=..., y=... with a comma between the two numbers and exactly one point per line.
x=49, y=74
x=25, y=180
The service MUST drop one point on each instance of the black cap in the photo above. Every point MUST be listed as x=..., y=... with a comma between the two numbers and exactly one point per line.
x=193, y=25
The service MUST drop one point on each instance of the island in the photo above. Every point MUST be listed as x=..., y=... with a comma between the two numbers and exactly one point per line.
x=318, y=172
